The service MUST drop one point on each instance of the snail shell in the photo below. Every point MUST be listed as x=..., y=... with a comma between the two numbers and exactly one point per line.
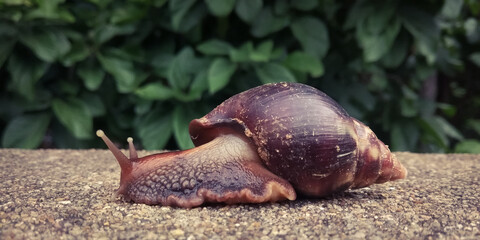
x=264, y=144
x=305, y=137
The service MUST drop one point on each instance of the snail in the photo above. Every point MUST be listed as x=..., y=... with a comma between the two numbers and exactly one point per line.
x=263, y=145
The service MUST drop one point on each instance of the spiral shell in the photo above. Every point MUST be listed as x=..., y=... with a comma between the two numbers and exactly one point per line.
x=303, y=136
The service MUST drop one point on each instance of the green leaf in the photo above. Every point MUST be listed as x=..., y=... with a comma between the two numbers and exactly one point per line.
x=182, y=68
x=25, y=73
x=378, y=79
x=427, y=107
x=304, y=5
x=263, y=52
x=380, y=18
x=448, y=109
x=219, y=74
x=131, y=53
x=104, y=33
x=397, y=53
x=197, y=87
x=474, y=7
x=101, y=3
x=247, y=53
x=315, y=42
x=448, y=129
x=161, y=56
x=451, y=8
x=181, y=119
x=94, y=104
x=8, y=30
x=247, y=10
x=361, y=97
x=154, y=129
x=122, y=70
x=358, y=12
x=376, y=32
x=266, y=23
x=159, y=3
x=468, y=146
x=273, y=72
x=78, y=52
x=70, y=88
x=439, y=129
x=404, y=136
x=214, y=47
x=408, y=107
x=279, y=52
x=25, y=131
x=409, y=93
x=472, y=29
x=179, y=10
x=50, y=10
x=161, y=64
x=48, y=45
x=143, y=106
x=62, y=138
x=91, y=73
x=187, y=97
x=154, y=91
x=220, y=8
x=242, y=54
x=75, y=116
x=432, y=130
x=425, y=30
x=281, y=7
x=199, y=83
x=475, y=58
x=5, y=49
x=474, y=124
x=306, y=63
x=186, y=14
x=127, y=13
x=376, y=45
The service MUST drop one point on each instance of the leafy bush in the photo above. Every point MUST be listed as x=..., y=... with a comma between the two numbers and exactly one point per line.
x=147, y=67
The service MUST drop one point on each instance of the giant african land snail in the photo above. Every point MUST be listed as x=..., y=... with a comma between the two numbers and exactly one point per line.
x=261, y=145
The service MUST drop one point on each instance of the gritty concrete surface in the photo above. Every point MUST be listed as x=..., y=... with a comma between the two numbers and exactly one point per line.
x=66, y=194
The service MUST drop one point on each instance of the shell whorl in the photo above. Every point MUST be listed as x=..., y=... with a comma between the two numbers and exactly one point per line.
x=376, y=164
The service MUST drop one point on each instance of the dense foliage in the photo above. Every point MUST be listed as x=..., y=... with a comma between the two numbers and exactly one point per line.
x=147, y=67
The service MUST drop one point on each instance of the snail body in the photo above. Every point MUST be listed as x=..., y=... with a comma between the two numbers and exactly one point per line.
x=262, y=145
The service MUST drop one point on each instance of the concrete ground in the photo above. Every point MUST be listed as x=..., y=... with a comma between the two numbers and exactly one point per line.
x=67, y=194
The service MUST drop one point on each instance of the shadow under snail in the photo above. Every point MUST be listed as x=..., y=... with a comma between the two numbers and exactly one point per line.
x=263, y=145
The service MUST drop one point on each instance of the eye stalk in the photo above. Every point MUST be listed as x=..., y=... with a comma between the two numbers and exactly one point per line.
x=126, y=165
x=121, y=158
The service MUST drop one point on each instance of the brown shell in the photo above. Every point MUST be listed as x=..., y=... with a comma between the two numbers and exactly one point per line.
x=303, y=136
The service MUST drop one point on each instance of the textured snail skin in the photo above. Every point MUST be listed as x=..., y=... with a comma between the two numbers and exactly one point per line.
x=262, y=145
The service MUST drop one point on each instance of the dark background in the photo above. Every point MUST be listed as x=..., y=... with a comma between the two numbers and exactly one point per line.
x=408, y=69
